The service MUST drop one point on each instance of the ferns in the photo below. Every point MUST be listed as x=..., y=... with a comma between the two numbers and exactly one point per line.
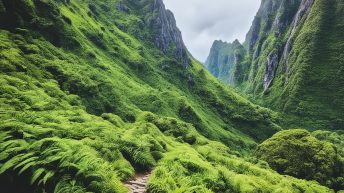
x=138, y=155
x=51, y=159
x=49, y=141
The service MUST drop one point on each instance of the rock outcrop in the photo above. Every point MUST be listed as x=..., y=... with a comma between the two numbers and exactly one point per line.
x=269, y=25
x=270, y=70
x=300, y=17
x=167, y=37
x=271, y=22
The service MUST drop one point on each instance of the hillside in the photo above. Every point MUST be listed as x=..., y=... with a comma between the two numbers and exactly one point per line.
x=94, y=92
x=224, y=61
x=294, y=61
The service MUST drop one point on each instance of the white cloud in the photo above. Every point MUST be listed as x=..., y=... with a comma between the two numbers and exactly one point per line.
x=203, y=21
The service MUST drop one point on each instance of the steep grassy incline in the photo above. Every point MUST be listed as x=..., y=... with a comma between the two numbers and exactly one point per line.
x=93, y=91
x=294, y=61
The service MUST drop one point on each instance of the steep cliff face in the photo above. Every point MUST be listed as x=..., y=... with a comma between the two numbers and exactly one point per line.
x=224, y=61
x=167, y=37
x=264, y=41
x=155, y=25
x=290, y=51
x=298, y=20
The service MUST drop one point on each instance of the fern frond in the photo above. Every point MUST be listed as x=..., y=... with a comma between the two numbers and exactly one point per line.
x=10, y=164
x=46, y=177
x=27, y=166
x=36, y=175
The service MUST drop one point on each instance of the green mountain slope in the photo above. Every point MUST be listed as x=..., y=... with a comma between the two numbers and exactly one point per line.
x=94, y=91
x=224, y=61
x=294, y=61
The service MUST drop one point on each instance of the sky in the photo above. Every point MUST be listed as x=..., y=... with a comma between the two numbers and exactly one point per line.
x=203, y=21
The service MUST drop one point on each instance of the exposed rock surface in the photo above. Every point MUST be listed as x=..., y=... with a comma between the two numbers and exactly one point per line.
x=138, y=184
x=300, y=17
x=270, y=70
x=272, y=21
x=293, y=60
x=167, y=36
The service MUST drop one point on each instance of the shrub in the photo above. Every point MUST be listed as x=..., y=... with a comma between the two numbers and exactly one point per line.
x=298, y=153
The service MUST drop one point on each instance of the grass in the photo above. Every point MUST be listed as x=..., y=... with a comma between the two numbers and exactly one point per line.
x=87, y=101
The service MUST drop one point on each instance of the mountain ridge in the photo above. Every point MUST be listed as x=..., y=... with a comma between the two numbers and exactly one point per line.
x=283, y=47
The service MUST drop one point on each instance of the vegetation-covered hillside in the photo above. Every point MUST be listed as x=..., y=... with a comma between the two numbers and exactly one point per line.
x=93, y=92
x=224, y=61
x=294, y=61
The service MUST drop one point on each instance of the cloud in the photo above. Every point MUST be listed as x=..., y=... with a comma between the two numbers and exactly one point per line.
x=203, y=21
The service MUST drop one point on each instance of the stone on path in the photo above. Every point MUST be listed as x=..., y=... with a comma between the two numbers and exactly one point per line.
x=138, y=184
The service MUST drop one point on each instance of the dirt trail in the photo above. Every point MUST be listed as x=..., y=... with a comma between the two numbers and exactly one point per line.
x=138, y=184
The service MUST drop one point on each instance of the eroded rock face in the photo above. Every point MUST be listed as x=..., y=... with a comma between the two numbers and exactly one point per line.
x=271, y=22
x=253, y=34
x=286, y=10
x=270, y=69
x=267, y=9
x=167, y=37
x=300, y=17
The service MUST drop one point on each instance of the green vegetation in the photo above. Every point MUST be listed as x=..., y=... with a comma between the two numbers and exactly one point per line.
x=224, y=62
x=298, y=153
x=87, y=101
x=306, y=62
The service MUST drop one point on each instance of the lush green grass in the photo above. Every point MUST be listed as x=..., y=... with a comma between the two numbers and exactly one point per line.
x=86, y=101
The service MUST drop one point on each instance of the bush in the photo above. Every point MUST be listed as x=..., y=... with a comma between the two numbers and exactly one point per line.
x=299, y=154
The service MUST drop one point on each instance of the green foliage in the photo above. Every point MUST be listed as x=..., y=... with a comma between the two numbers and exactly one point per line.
x=306, y=72
x=298, y=153
x=224, y=61
x=213, y=168
x=337, y=139
x=75, y=89
x=302, y=86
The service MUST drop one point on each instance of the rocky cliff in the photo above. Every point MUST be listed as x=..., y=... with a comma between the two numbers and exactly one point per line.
x=292, y=67
x=167, y=37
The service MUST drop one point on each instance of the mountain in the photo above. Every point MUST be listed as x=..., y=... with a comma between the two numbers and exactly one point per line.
x=224, y=61
x=93, y=93
x=294, y=63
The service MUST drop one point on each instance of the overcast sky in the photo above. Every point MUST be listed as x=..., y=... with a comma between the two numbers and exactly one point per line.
x=203, y=21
